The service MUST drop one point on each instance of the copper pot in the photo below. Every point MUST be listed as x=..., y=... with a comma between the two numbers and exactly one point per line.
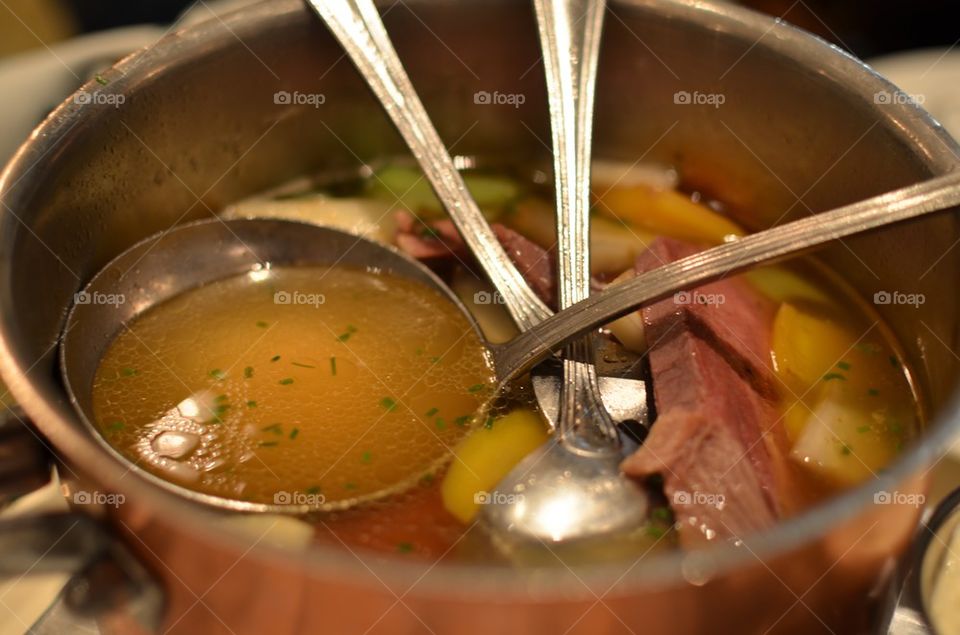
x=203, y=118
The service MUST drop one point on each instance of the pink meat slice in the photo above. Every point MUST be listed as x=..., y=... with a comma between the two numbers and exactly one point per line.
x=717, y=441
x=441, y=240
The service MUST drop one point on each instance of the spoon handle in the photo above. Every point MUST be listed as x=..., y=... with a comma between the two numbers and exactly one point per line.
x=359, y=29
x=765, y=247
x=570, y=41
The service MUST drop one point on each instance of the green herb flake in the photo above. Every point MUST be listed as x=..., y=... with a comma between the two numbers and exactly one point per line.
x=895, y=428
x=662, y=514
x=475, y=388
x=462, y=421
x=427, y=479
x=894, y=361
x=286, y=381
x=302, y=365
x=221, y=399
x=251, y=404
x=100, y=79
x=404, y=547
x=217, y=374
x=863, y=429
x=333, y=366
x=294, y=433
x=843, y=365
x=830, y=376
x=429, y=232
x=261, y=324
x=351, y=329
x=349, y=486
x=268, y=444
x=867, y=347
x=116, y=426
x=275, y=358
x=248, y=372
x=654, y=531
x=388, y=404
x=431, y=412
x=274, y=428
x=129, y=372
x=845, y=449
x=365, y=458
x=488, y=424
x=440, y=423
x=220, y=410
x=434, y=360
x=315, y=489
x=418, y=351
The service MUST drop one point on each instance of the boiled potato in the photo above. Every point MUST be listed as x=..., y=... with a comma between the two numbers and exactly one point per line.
x=806, y=347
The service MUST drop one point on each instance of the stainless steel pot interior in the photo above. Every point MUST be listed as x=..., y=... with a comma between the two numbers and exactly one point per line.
x=216, y=112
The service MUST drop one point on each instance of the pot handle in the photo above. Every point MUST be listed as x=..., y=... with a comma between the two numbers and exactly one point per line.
x=105, y=577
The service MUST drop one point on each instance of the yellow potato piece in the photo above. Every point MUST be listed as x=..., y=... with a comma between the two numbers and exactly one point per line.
x=667, y=213
x=486, y=456
x=806, y=347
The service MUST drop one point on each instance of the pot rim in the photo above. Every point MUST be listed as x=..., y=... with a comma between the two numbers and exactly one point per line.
x=472, y=582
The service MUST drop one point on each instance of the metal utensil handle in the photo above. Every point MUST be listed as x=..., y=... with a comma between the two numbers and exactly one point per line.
x=570, y=40
x=765, y=247
x=357, y=26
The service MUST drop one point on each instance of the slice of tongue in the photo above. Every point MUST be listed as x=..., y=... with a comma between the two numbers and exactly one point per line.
x=717, y=441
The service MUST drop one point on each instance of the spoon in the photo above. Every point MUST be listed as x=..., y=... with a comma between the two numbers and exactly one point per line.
x=166, y=265
x=357, y=26
x=571, y=488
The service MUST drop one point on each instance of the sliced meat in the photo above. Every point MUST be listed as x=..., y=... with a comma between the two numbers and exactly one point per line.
x=440, y=240
x=728, y=313
x=717, y=441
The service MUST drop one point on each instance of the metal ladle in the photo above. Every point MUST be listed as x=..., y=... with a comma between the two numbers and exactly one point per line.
x=167, y=265
x=571, y=488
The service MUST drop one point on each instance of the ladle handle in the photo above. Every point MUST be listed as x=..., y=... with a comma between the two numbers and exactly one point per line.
x=765, y=247
x=357, y=26
x=570, y=40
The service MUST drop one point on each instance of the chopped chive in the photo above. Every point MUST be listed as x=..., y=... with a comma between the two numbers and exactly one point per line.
x=268, y=444
x=315, y=489
x=274, y=428
x=431, y=412
x=333, y=366
x=830, y=376
x=217, y=374
x=895, y=428
x=404, y=547
x=103, y=81
x=661, y=513
x=286, y=381
x=221, y=399
x=440, y=423
x=462, y=421
x=845, y=449
x=248, y=372
x=388, y=404
x=294, y=433
x=488, y=424
x=475, y=388
x=867, y=347
x=418, y=351
x=894, y=361
x=262, y=324
x=129, y=372
x=349, y=486
x=655, y=531
x=434, y=360
x=275, y=358
x=863, y=429
x=302, y=365
x=251, y=404
x=843, y=365
x=351, y=329
x=427, y=478
x=366, y=457
x=116, y=426
x=873, y=392
x=220, y=410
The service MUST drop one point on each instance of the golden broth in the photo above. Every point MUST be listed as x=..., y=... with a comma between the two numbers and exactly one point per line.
x=293, y=385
